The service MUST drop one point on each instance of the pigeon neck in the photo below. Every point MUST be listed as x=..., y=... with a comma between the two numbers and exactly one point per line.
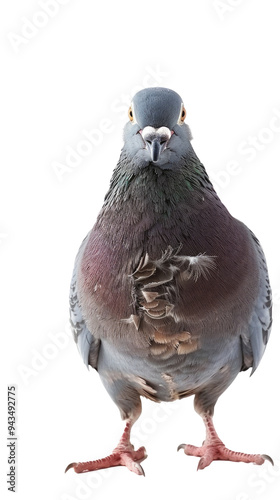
x=152, y=199
x=155, y=189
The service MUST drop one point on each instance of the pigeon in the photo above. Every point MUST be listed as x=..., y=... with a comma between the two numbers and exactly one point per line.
x=170, y=295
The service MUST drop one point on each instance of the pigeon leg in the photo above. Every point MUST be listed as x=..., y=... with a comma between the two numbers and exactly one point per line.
x=123, y=454
x=214, y=449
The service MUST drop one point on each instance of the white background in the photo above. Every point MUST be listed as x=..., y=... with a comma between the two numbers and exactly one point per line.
x=74, y=69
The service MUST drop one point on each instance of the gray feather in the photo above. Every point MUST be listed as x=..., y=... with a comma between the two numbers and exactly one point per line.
x=261, y=320
x=87, y=345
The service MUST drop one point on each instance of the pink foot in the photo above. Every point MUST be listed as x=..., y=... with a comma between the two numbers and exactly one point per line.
x=211, y=452
x=123, y=454
x=130, y=458
x=214, y=449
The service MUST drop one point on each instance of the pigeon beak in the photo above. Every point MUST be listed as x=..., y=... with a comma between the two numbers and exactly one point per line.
x=156, y=140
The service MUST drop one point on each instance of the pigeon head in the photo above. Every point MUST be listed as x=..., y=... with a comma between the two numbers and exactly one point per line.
x=156, y=133
x=157, y=107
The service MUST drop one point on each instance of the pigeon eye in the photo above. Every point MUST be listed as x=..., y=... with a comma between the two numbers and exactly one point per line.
x=130, y=114
x=183, y=114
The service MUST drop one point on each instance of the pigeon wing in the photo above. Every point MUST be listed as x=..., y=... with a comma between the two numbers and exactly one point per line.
x=254, y=342
x=88, y=346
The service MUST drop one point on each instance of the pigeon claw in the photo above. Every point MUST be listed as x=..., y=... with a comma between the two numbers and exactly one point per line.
x=268, y=458
x=70, y=466
x=139, y=468
x=180, y=447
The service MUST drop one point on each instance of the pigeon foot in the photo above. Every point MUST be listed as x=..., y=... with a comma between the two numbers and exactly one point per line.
x=128, y=457
x=209, y=453
x=123, y=454
x=214, y=449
